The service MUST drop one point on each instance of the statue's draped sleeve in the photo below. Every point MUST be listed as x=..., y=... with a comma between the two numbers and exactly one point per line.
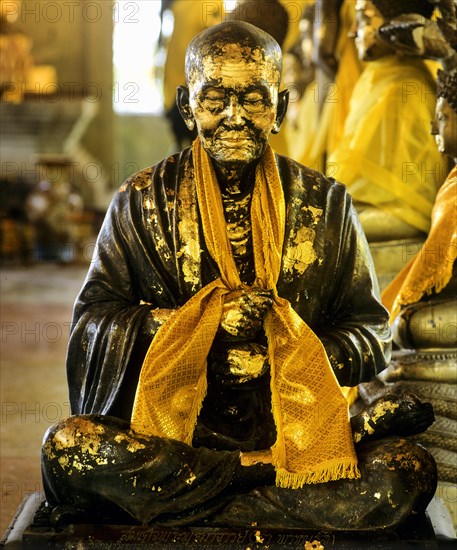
x=356, y=333
x=131, y=274
x=329, y=277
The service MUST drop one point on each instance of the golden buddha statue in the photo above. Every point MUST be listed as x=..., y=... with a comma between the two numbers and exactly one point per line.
x=422, y=300
x=387, y=156
x=337, y=54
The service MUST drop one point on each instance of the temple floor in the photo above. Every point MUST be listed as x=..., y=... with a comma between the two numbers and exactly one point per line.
x=36, y=304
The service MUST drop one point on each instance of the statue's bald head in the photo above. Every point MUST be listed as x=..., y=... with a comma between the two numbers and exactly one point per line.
x=232, y=41
x=233, y=73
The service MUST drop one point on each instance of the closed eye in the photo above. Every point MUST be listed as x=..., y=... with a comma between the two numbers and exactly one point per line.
x=253, y=102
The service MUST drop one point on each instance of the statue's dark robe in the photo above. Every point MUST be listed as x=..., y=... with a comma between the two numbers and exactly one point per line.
x=143, y=261
x=151, y=254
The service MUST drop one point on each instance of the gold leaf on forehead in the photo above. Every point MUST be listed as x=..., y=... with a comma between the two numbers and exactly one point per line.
x=229, y=57
x=236, y=50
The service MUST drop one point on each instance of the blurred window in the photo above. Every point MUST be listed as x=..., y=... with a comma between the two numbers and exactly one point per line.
x=137, y=56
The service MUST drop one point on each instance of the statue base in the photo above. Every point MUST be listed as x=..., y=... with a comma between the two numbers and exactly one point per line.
x=435, y=358
x=30, y=531
x=430, y=374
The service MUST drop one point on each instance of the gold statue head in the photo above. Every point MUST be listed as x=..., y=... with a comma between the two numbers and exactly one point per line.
x=371, y=15
x=444, y=125
x=233, y=73
x=368, y=20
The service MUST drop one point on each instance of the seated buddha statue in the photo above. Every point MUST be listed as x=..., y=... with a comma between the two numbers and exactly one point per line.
x=423, y=304
x=230, y=297
x=386, y=156
x=423, y=297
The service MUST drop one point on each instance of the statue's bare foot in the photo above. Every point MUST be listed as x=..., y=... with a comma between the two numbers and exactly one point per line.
x=391, y=415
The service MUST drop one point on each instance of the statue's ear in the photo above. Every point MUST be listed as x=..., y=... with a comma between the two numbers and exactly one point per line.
x=283, y=102
x=182, y=100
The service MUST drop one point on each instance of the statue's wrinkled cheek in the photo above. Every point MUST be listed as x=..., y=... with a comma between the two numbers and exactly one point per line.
x=265, y=121
x=206, y=119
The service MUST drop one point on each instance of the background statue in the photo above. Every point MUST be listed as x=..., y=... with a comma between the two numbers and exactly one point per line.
x=216, y=325
x=423, y=297
x=336, y=54
x=387, y=156
x=15, y=54
x=423, y=304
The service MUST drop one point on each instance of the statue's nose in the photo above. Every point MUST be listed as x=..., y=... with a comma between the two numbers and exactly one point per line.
x=352, y=32
x=234, y=111
x=434, y=127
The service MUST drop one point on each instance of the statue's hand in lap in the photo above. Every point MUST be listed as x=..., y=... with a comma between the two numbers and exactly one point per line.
x=237, y=363
x=399, y=415
x=411, y=416
x=243, y=314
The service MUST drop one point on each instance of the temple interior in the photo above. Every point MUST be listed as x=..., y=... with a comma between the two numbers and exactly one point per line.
x=86, y=102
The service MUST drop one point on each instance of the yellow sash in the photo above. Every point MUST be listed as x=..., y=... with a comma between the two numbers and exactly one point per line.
x=431, y=269
x=314, y=440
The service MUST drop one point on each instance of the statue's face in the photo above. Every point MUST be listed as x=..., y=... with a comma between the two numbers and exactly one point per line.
x=368, y=19
x=444, y=128
x=233, y=98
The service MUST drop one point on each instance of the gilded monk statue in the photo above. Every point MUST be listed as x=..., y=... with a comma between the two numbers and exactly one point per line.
x=230, y=297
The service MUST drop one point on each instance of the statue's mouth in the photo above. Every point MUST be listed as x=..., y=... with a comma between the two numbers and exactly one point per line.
x=234, y=138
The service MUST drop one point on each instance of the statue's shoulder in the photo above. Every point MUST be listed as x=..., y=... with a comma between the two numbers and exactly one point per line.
x=158, y=174
x=297, y=176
